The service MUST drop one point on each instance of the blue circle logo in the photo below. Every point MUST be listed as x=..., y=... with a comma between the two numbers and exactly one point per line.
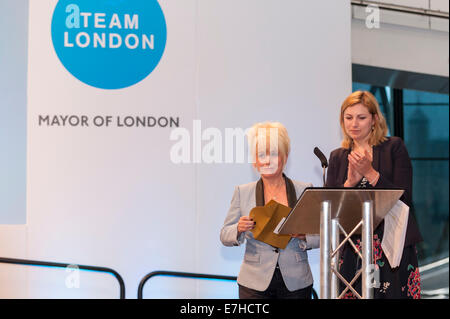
x=109, y=44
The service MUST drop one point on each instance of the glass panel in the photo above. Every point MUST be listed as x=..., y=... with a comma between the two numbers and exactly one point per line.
x=361, y=87
x=426, y=130
x=420, y=97
x=426, y=125
x=430, y=196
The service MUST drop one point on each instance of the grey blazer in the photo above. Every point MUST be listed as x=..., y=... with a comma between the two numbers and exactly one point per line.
x=260, y=259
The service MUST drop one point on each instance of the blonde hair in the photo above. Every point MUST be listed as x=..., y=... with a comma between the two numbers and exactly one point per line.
x=282, y=140
x=379, y=130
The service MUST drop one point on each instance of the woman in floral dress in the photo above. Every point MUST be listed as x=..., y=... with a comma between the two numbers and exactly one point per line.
x=370, y=159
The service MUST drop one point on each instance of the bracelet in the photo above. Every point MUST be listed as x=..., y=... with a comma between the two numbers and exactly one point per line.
x=375, y=179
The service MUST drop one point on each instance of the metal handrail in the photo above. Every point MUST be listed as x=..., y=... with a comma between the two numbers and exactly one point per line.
x=179, y=274
x=26, y=262
x=433, y=265
x=189, y=275
x=402, y=9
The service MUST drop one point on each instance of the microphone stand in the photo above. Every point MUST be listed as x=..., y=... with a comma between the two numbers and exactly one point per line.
x=324, y=169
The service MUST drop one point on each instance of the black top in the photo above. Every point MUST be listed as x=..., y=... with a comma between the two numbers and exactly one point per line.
x=392, y=161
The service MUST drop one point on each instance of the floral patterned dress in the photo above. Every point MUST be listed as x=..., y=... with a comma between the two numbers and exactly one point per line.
x=402, y=282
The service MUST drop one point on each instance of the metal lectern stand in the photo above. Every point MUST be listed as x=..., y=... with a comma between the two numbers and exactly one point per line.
x=347, y=210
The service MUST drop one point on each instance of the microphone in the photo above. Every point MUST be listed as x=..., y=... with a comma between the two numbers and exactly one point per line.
x=323, y=160
x=322, y=157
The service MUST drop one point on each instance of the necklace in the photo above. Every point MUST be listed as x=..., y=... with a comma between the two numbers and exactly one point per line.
x=272, y=191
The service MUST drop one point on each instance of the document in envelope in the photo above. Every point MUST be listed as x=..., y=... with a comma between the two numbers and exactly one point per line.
x=267, y=218
x=395, y=224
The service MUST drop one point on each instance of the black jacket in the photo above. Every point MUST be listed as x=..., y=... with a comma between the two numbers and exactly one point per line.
x=392, y=161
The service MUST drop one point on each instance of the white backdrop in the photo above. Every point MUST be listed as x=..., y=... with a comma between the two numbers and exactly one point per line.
x=112, y=196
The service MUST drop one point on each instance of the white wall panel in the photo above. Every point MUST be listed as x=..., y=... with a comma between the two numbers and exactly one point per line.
x=440, y=5
x=400, y=48
x=111, y=196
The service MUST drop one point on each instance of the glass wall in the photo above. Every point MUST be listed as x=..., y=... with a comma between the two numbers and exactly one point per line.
x=426, y=135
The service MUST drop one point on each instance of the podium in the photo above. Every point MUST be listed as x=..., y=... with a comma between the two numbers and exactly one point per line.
x=330, y=211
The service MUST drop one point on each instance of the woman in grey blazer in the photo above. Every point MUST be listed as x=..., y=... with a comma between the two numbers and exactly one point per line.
x=269, y=272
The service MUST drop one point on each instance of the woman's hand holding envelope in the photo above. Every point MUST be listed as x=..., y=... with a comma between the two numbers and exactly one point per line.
x=245, y=223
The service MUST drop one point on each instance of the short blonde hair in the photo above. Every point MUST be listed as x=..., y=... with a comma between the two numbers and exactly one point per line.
x=283, y=141
x=379, y=132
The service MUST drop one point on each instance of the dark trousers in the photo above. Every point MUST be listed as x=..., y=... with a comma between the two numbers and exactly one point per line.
x=276, y=290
